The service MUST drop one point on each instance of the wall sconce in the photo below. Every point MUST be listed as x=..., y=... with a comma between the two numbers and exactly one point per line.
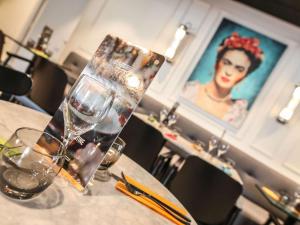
x=180, y=33
x=287, y=112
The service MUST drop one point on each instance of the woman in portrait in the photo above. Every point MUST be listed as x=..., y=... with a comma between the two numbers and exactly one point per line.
x=236, y=58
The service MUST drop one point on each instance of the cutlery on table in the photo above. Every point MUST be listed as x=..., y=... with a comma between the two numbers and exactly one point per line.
x=138, y=192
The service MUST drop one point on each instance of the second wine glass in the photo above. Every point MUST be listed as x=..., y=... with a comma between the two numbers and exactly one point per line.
x=112, y=156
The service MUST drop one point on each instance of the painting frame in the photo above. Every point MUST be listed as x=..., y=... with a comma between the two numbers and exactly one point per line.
x=285, y=44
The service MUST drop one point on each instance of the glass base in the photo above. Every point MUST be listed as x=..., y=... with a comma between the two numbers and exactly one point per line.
x=102, y=175
x=21, y=185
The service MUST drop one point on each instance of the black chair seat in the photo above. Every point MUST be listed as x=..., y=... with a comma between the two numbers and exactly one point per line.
x=207, y=192
x=14, y=82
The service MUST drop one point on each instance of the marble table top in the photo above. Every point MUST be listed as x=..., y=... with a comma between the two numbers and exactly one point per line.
x=61, y=204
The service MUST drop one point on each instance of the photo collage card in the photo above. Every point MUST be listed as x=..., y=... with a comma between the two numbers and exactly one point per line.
x=100, y=103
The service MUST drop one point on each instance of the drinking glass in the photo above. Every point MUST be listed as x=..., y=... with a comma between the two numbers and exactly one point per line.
x=297, y=193
x=112, y=156
x=296, y=199
x=86, y=105
x=230, y=162
x=29, y=162
x=152, y=117
x=284, y=197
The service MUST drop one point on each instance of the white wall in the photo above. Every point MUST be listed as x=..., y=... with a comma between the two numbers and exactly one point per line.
x=140, y=21
x=63, y=17
x=16, y=17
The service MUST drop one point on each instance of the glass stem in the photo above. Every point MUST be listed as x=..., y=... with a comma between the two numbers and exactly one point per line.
x=68, y=138
x=66, y=142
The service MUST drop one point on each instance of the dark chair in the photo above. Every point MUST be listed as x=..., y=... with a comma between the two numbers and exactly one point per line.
x=13, y=82
x=207, y=192
x=143, y=142
x=3, y=38
x=171, y=172
x=2, y=41
x=48, y=85
x=48, y=82
x=161, y=164
x=166, y=166
x=15, y=56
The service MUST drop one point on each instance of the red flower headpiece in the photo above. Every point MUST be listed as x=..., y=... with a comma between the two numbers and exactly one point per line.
x=249, y=44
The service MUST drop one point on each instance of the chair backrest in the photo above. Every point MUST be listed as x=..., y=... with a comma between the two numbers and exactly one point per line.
x=75, y=62
x=14, y=82
x=73, y=65
x=48, y=85
x=2, y=40
x=207, y=192
x=143, y=142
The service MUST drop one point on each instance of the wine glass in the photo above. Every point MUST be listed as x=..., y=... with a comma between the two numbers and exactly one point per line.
x=297, y=196
x=163, y=115
x=222, y=149
x=112, y=156
x=86, y=105
x=212, y=144
x=172, y=120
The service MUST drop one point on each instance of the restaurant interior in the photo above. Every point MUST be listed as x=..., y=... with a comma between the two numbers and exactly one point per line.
x=212, y=140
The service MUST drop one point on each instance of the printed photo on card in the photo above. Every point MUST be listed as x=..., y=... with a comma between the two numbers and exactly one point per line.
x=100, y=103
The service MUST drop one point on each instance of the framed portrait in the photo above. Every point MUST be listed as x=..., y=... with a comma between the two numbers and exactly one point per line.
x=232, y=71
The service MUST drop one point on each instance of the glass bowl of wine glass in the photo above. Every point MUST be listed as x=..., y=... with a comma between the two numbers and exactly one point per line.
x=87, y=104
x=30, y=160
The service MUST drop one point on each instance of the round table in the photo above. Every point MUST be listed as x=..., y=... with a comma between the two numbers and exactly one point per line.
x=62, y=204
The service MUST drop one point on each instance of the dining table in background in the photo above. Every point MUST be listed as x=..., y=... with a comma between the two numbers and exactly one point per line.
x=184, y=147
x=274, y=199
x=62, y=204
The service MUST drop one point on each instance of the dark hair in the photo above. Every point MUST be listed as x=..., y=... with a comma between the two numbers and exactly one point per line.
x=255, y=62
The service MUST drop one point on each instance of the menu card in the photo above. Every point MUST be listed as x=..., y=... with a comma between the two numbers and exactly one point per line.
x=127, y=71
